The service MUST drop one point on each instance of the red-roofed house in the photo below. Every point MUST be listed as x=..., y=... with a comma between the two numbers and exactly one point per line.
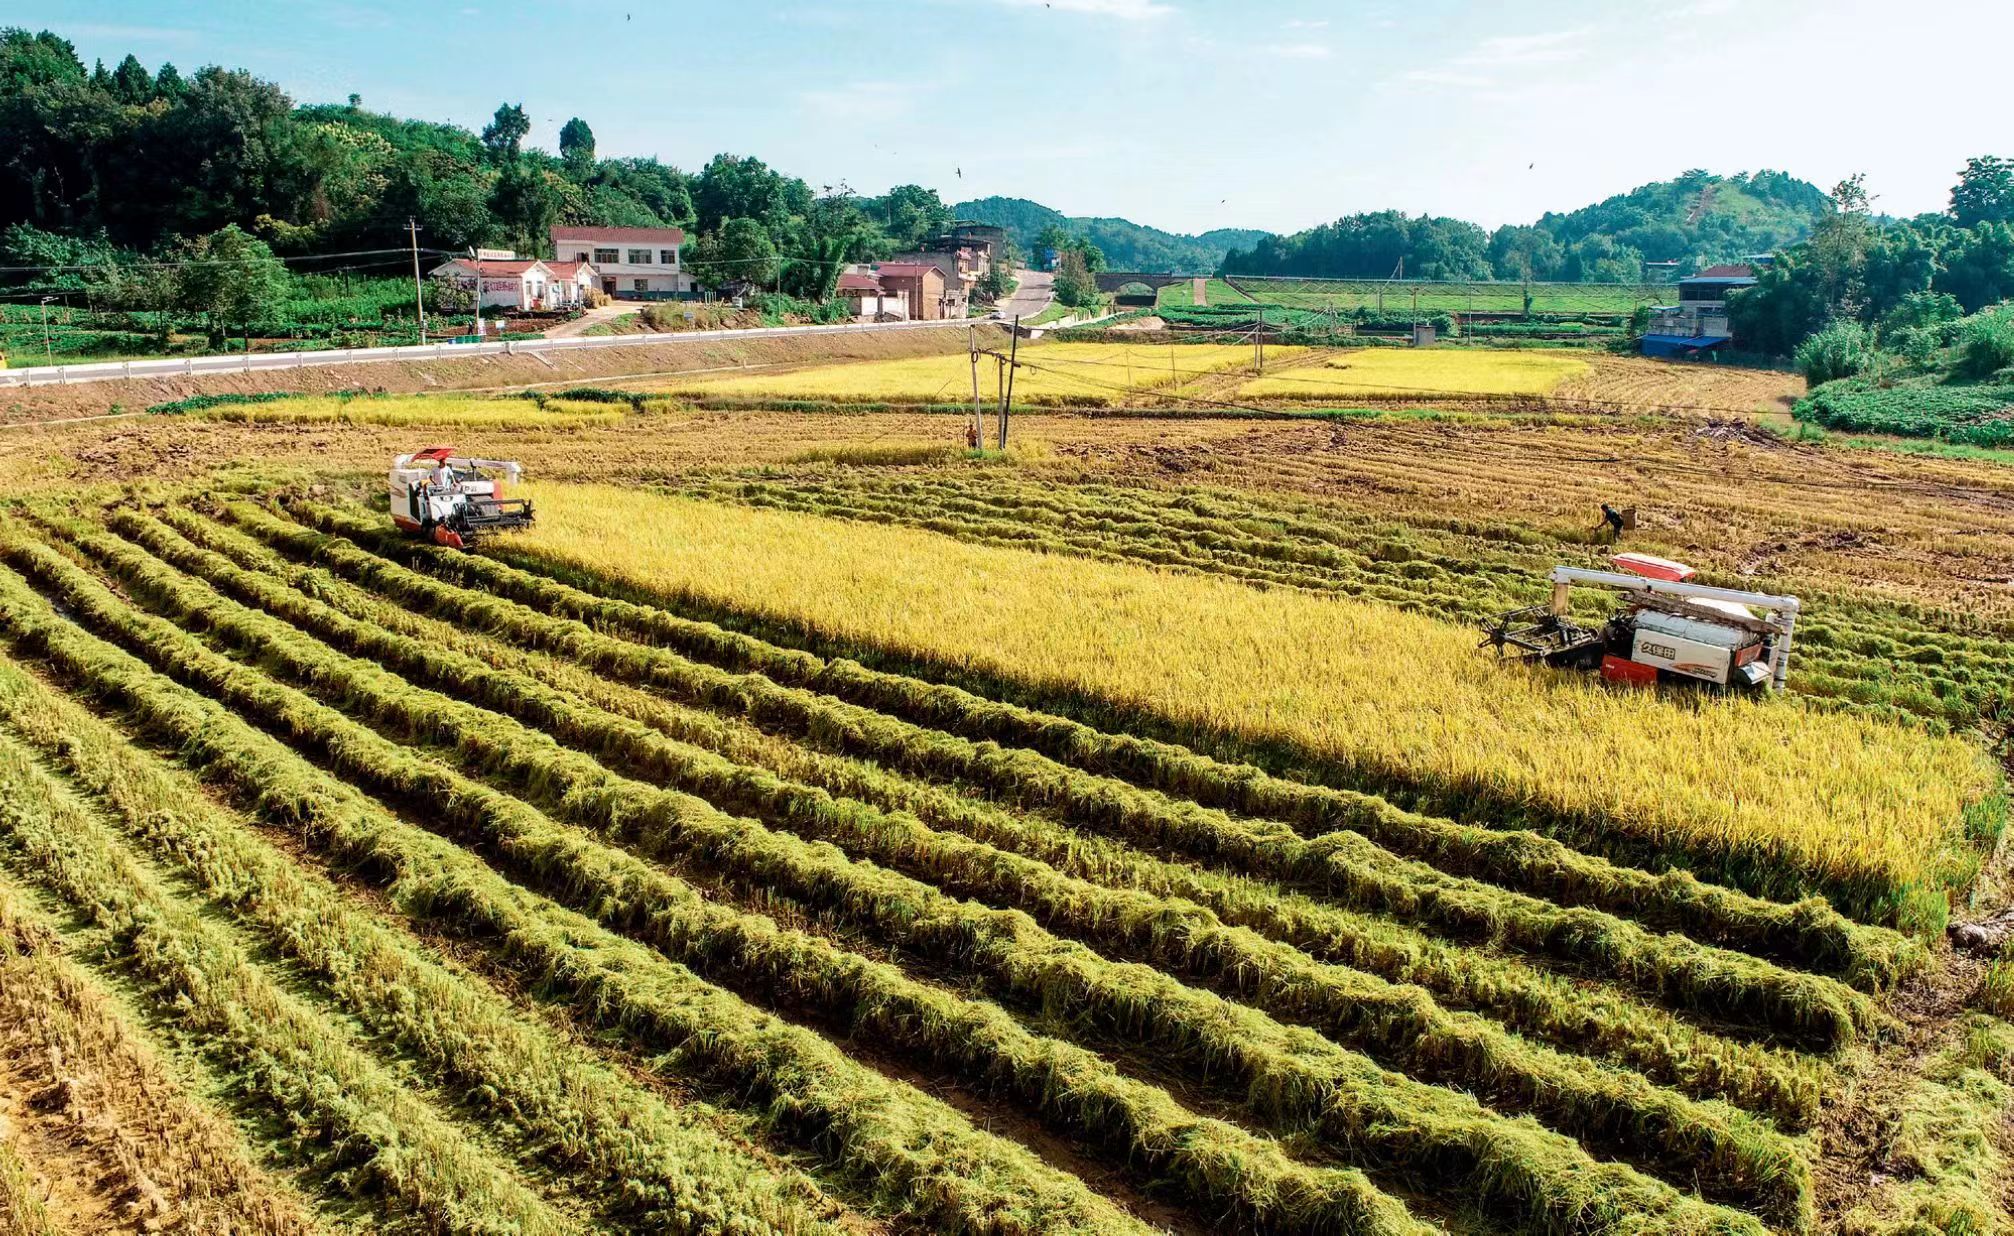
x=519, y=283
x=919, y=287
x=862, y=291
x=633, y=263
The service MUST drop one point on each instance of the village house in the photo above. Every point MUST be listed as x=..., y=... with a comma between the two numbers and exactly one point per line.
x=961, y=268
x=631, y=263
x=919, y=287
x=862, y=292
x=528, y=285
x=1698, y=323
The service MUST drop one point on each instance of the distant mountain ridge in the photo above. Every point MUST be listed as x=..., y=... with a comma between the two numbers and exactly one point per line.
x=1126, y=245
x=1695, y=219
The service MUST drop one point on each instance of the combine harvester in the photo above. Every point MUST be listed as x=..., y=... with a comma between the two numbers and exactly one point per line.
x=1666, y=629
x=452, y=500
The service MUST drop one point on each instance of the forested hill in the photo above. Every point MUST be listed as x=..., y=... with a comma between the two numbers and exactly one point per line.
x=1696, y=220
x=1125, y=244
x=100, y=167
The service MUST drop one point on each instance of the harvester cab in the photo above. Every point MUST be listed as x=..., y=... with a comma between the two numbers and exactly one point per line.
x=455, y=500
x=1667, y=628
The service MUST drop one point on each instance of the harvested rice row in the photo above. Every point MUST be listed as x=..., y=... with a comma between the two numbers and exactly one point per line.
x=1811, y=932
x=1340, y=864
x=926, y=1158
x=1400, y=1026
x=22, y=1212
x=361, y=1120
x=675, y=1173
x=136, y=1135
x=1575, y=1015
x=1323, y=1087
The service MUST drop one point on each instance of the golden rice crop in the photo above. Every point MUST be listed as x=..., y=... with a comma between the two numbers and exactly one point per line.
x=448, y=411
x=1408, y=371
x=1081, y=374
x=1396, y=695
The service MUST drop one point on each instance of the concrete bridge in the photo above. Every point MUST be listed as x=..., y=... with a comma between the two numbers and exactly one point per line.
x=1113, y=280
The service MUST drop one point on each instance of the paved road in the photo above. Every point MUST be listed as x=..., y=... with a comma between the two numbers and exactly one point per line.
x=1031, y=296
x=111, y=371
x=591, y=317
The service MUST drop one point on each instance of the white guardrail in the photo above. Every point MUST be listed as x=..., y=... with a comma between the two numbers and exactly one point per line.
x=189, y=366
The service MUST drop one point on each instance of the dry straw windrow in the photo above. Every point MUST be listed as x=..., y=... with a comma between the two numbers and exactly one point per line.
x=1326, y=1089
x=1578, y=1014
x=1385, y=698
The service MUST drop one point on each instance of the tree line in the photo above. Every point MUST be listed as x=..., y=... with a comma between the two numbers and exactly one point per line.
x=134, y=169
x=1693, y=220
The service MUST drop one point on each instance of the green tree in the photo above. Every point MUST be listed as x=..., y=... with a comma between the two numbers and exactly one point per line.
x=131, y=82
x=909, y=214
x=576, y=148
x=504, y=136
x=1838, y=249
x=1074, y=284
x=230, y=277
x=1979, y=265
x=525, y=203
x=1984, y=192
x=738, y=251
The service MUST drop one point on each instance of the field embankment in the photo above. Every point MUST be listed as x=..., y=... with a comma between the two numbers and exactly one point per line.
x=583, y=366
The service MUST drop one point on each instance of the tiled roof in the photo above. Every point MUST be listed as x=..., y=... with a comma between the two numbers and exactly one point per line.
x=906, y=269
x=617, y=235
x=1726, y=272
x=859, y=283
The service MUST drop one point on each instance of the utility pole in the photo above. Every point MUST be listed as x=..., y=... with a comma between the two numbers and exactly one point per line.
x=419, y=298
x=48, y=349
x=1007, y=403
x=477, y=262
x=978, y=425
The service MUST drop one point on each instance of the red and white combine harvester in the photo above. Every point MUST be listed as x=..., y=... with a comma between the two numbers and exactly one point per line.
x=453, y=500
x=1666, y=628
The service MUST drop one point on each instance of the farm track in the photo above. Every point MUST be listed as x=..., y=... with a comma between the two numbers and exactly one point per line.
x=1296, y=1006
x=1031, y=908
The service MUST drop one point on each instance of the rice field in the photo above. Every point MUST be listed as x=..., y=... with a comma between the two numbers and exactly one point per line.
x=1389, y=373
x=1051, y=375
x=814, y=828
x=475, y=412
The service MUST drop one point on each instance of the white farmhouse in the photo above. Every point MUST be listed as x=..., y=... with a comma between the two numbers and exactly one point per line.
x=525, y=284
x=632, y=263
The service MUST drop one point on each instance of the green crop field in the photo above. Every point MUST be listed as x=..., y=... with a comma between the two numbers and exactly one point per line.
x=1394, y=295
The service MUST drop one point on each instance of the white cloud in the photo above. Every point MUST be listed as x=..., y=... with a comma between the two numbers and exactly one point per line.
x=1479, y=68
x=1444, y=77
x=1300, y=51
x=136, y=34
x=868, y=100
x=1506, y=50
x=1298, y=24
x=1124, y=10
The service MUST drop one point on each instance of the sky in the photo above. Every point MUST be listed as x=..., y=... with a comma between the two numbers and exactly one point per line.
x=1182, y=114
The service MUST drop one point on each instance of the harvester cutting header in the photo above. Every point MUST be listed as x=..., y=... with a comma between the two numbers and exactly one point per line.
x=1667, y=627
x=453, y=499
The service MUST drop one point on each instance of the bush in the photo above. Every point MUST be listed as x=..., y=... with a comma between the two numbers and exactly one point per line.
x=1987, y=344
x=1841, y=350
